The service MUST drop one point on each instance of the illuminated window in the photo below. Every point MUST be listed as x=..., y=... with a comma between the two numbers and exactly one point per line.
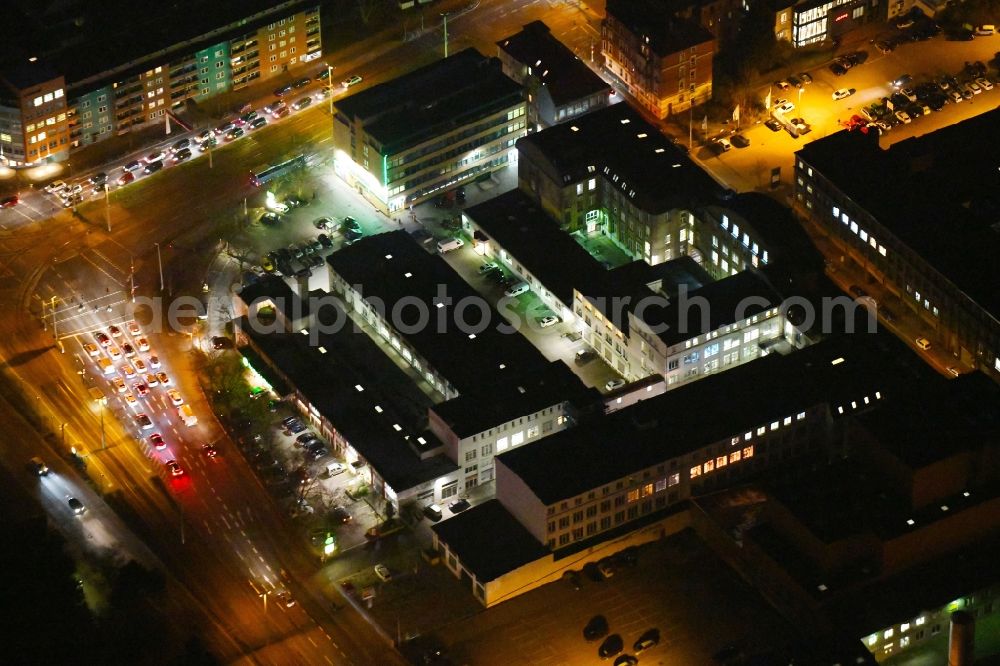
x=887, y=634
x=633, y=495
x=696, y=471
x=517, y=438
x=647, y=489
x=673, y=479
x=734, y=456
x=721, y=461
x=661, y=484
x=775, y=425
x=502, y=444
x=761, y=430
x=709, y=466
x=748, y=452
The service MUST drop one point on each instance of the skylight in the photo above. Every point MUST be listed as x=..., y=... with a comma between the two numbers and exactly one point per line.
x=378, y=409
x=359, y=388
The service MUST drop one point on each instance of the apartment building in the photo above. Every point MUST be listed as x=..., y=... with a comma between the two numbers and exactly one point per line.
x=662, y=60
x=559, y=85
x=166, y=58
x=883, y=208
x=409, y=139
x=34, y=116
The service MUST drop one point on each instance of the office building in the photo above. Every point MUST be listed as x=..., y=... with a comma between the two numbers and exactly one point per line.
x=135, y=67
x=663, y=61
x=409, y=139
x=920, y=219
x=558, y=84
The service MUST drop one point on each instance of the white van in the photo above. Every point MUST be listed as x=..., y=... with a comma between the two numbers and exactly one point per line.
x=187, y=415
x=517, y=289
x=449, y=244
x=107, y=367
x=986, y=30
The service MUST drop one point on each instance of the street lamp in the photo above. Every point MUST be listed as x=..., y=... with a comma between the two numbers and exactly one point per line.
x=107, y=205
x=159, y=262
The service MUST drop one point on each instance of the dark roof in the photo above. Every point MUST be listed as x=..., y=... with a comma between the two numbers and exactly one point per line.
x=432, y=100
x=499, y=402
x=941, y=420
x=329, y=379
x=273, y=288
x=742, y=295
x=489, y=541
x=938, y=193
x=667, y=33
x=702, y=412
x=82, y=38
x=24, y=75
x=468, y=358
x=556, y=67
x=617, y=141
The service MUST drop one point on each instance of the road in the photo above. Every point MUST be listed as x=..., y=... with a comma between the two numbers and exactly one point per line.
x=72, y=275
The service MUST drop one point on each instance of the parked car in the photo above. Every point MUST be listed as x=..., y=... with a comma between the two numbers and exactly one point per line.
x=351, y=81
x=613, y=384
x=611, y=646
x=843, y=93
x=596, y=628
x=458, y=505
x=152, y=167
x=740, y=141
x=649, y=639
x=383, y=573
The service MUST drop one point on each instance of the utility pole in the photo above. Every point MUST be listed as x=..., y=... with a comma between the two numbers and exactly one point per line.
x=104, y=443
x=159, y=262
x=107, y=206
x=445, y=16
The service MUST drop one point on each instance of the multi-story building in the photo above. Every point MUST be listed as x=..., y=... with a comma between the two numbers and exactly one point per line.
x=406, y=140
x=815, y=21
x=665, y=62
x=33, y=114
x=520, y=411
x=451, y=337
x=169, y=59
x=883, y=208
x=369, y=412
x=720, y=17
x=558, y=84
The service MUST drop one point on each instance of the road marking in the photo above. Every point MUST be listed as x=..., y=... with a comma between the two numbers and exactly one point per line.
x=207, y=527
x=244, y=533
x=228, y=526
x=311, y=641
x=327, y=659
x=261, y=558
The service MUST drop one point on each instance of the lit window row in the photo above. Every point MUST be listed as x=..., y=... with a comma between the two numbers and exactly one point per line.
x=855, y=404
x=48, y=97
x=652, y=487
x=858, y=231
x=722, y=461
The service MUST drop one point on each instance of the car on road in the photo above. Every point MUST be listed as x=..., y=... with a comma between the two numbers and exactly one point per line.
x=351, y=81
x=248, y=117
x=98, y=179
x=133, y=327
x=152, y=167
x=613, y=384
x=285, y=598
x=433, y=512
x=156, y=441
x=152, y=381
x=176, y=399
x=119, y=384
x=740, y=141
x=842, y=93
x=626, y=660
x=459, y=505
x=128, y=370
x=182, y=154
x=140, y=366
x=974, y=87
x=325, y=241
x=210, y=142
x=270, y=219
x=102, y=339
x=114, y=352
x=596, y=628
x=722, y=145
x=923, y=343
x=383, y=573
x=129, y=167
x=128, y=349
x=91, y=349
x=142, y=344
x=257, y=123
x=38, y=466
x=162, y=376
x=275, y=108
x=76, y=506
x=235, y=133
x=155, y=156
x=903, y=117
x=115, y=331
x=340, y=515
x=955, y=96
x=838, y=69
x=283, y=90
x=772, y=125
x=154, y=361
x=298, y=105
x=884, y=46
x=282, y=111
x=221, y=342
x=782, y=85
x=548, y=320
x=649, y=639
x=804, y=77
x=210, y=451
x=611, y=646
x=9, y=202
x=55, y=187
x=140, y=389
x=983, y=83
x=144, y=422
x=174, y=468
x=302, y=83
x=180, y=145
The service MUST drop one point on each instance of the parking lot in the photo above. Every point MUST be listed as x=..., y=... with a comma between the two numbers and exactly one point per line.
x=750, y=168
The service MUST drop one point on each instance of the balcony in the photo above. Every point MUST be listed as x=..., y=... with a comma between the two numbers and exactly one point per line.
x=314, y=31
x=183, y=70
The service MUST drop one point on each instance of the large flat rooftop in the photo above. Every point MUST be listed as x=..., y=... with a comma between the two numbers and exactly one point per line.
x=464, y=338
x=938, y=193
x=836, y=372
x=432, y=100
x=616, y=143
